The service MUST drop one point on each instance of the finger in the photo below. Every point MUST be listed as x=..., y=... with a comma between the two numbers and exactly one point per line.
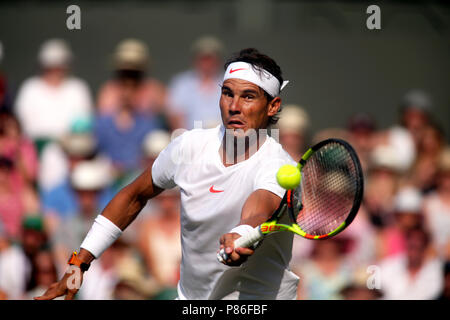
x=229, y=242
x=51, y=293
x=70, y=295
x=244, y=251
x=47, y=296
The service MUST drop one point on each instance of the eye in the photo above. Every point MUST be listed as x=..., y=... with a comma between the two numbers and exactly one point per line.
x=249, y=97
x=227, y=93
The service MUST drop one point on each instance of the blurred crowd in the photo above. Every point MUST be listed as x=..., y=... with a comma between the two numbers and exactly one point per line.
x=65, y=152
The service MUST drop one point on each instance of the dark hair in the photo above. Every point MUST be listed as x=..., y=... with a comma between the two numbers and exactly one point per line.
x=259, y=62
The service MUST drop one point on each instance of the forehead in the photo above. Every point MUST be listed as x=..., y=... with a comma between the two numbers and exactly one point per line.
x=241, y=85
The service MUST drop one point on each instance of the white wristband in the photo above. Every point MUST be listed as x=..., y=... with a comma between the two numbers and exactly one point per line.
x=103, y=233
x=242, y=229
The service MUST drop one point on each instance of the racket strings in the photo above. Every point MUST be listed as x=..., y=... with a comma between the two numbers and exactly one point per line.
x=329, y=182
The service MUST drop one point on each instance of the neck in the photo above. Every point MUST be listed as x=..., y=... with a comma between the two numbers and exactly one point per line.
x=235, y=149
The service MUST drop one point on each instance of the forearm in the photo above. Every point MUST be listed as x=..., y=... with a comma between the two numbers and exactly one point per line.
x=124, y=208
x=121, y=211
x=118, y=214
x=259, y=207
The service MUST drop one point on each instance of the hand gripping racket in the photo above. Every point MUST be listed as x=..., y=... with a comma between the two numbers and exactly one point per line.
x=326, y=201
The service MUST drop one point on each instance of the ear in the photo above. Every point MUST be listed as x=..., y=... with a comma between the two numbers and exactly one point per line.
x=274, y=106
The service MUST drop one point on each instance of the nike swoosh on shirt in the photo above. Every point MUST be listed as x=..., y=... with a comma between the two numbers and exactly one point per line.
x=215, y=191
x=231, y=70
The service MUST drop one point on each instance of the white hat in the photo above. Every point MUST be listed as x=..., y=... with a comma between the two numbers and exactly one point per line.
x=385, y=156
x=79, y=144
x=91, y=175
x=408, y=200
x=54, y=53
x=417, y=99
x=155, y=142
x=207, y=45
x=131, y=54
x=293, y=118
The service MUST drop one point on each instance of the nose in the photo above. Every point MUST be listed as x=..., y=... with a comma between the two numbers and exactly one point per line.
x=235, y=107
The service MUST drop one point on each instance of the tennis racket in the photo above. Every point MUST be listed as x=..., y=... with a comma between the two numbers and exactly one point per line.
x=326, y=201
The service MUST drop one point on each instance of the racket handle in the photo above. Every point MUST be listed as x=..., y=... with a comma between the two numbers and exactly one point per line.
x=247, y=240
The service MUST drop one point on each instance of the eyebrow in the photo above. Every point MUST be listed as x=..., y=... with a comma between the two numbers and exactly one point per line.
x=250, y=91
x=246, y=91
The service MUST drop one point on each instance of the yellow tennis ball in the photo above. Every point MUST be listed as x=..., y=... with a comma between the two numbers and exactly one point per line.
x=288, y=176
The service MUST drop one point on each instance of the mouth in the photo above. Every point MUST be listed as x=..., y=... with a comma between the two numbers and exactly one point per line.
x=235, y=123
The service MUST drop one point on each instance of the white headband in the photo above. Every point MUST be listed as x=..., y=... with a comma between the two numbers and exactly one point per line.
x=265, y=80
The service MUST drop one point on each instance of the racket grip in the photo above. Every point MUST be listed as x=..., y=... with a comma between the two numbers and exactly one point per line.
x=247, y=240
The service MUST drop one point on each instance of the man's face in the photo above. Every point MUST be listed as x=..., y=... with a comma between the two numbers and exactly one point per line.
x=244, y=105
x=207, y=64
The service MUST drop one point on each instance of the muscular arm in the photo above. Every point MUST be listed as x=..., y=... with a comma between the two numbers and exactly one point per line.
x=126, y=205
x=121, y=210
x=258, y=207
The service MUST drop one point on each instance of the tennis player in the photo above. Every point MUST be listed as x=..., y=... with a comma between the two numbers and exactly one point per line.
x=227, y=178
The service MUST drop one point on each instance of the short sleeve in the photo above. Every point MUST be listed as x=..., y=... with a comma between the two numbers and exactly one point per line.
x=166, y=164
x=266, y=176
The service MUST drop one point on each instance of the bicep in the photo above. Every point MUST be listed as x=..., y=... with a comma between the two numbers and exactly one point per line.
x=259, y=207
x=143, y=186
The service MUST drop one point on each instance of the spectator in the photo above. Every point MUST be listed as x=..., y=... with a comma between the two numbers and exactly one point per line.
x=437, y=207
x=415, y=115
x=404, y=138
x=58, y=158
x=194, y=94
x=362, y=239
x=381, y=186
x=326, y=273
x=14, y=268
x=445, y=293
x=414, y=275
x=19, y=149
x=293, y=125
x=118, y=266
x=361, y=129
x=89, y=180
x=133, y=281
x=408, y=204
x=99, y=283
x=120, y=134
x=34, y=239
x=43, y=275
x=131, y=61
x=62, y=203
x=5, y=99
x=153, y=144
x=430, y=145
x=15, y=201
x=159, y=240
x=357, y=289
x=48, y=103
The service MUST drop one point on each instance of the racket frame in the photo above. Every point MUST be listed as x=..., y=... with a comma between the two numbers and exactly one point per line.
x=272, y=225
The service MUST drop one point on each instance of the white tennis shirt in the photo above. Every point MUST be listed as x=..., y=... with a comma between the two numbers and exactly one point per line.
x=212, y=197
